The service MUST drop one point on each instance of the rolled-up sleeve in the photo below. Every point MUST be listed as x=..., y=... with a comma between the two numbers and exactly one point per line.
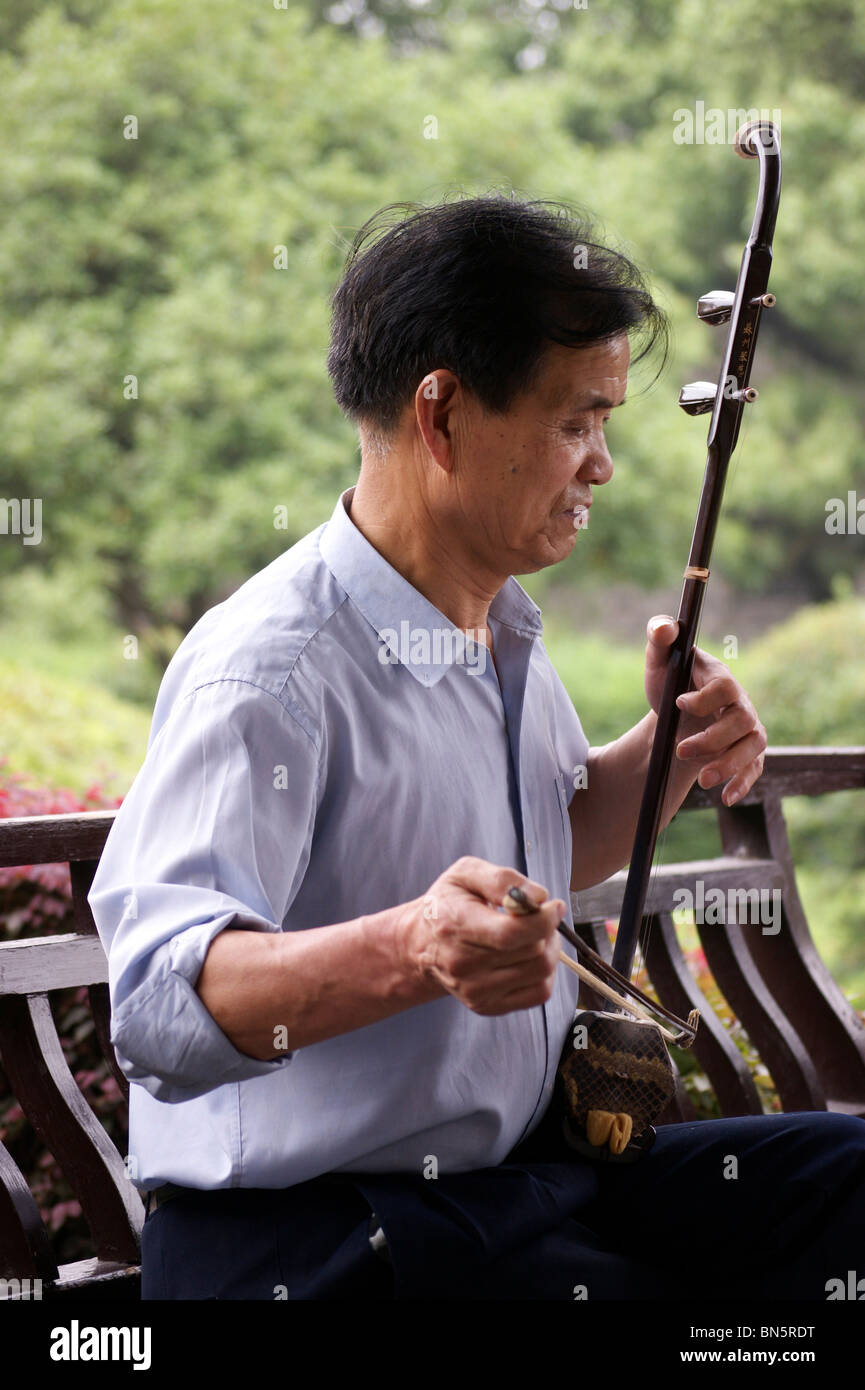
x=215, y=831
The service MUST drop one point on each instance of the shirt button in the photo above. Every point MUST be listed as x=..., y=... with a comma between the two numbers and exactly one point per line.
x=529, y=846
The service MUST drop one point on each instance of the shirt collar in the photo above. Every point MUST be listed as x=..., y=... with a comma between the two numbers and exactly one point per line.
x=396, y=609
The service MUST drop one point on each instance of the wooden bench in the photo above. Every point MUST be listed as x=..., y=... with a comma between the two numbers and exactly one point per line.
x=806, y=1033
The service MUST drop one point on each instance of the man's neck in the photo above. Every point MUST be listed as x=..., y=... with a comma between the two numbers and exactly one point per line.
x=401, y=530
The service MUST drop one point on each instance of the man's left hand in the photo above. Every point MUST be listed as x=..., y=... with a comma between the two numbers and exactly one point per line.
x=719, y=727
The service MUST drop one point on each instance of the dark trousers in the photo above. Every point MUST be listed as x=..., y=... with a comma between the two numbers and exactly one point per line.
x=757, y=1207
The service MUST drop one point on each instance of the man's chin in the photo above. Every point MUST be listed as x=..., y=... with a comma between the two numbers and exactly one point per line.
x=551, y=551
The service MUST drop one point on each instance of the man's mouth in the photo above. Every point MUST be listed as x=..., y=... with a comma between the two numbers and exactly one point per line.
x=579, y=515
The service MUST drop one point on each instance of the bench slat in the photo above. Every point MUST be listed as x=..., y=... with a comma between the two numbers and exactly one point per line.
x=50, y=1097
x=25, y=1250
x=102, y=1279
x=40, y=964
x=53, y=839
x=754, y=1004
x=715, y=1050
x=831, y=1031
x=724, y=872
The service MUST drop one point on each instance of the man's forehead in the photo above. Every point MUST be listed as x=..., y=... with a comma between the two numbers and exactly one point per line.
x=584, y=380
x=588, y=392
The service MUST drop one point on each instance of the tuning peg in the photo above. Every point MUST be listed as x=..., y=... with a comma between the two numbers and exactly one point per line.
x=716, y=306
x=698, y=397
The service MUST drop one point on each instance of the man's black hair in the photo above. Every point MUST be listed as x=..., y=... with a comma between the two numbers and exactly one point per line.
x=481, y=286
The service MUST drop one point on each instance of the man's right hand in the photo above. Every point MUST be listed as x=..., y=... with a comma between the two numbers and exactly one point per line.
x=457, y=937
x=274, y=992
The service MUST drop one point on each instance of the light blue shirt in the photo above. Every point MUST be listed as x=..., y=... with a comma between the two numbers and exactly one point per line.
x=321, y=749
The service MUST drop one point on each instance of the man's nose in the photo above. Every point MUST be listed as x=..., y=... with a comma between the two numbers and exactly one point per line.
x=597, y=467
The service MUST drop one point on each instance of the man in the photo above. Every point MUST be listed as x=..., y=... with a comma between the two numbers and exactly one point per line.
x=341, y=1049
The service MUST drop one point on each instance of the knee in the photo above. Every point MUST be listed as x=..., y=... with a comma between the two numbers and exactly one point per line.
x=831, y=1136
x=841, y=1128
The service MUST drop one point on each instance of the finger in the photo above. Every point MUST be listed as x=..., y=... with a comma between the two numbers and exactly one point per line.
x=491, y=929
x=736, y=762
x=718, y=692
x=741, y=785
x=494, y=977
x=476, y=976
x=735, y=723
x=491, y=881
x=531, y=958
x=705, y=665
x=523, y=994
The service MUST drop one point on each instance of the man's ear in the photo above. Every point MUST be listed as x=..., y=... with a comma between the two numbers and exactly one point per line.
x=436, y=400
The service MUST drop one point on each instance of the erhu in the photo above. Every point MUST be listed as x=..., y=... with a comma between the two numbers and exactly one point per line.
x=615, y=1076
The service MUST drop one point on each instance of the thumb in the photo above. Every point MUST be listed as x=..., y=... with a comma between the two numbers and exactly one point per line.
x=662, y=630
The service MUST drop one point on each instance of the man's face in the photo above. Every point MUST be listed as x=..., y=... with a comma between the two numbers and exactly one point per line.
x=523, y=478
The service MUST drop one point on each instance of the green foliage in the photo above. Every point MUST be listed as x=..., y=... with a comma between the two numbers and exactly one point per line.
x=833, y=895
x=604, y=680
x=156, y=258
x=68, y=732
x=807, y=679
x=808, y=675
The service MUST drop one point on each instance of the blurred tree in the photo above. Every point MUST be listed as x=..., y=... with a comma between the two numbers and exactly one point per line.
x=186, y=183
